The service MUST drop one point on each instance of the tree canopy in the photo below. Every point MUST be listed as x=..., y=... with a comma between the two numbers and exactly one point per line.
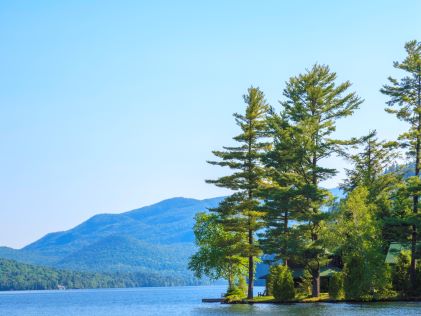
x=280, y=207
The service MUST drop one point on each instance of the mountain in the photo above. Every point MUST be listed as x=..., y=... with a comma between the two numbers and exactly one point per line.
x=152, y=239
x=155, y=240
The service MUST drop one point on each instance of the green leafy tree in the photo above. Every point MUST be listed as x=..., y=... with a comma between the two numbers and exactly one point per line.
x=336, y=286
x=243, y=213
x=314, y=103
x=217, y=256
x=405, y=103
x=281, y=283
x=358, y=237
x=401, y=280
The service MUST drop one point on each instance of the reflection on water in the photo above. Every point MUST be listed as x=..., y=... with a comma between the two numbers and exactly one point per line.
x=173, y=301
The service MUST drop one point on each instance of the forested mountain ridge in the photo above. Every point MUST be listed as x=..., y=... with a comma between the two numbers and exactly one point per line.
x=156, y=239
x=152, y=239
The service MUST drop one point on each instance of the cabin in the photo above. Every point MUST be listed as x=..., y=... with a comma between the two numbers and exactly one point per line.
x=325, y=274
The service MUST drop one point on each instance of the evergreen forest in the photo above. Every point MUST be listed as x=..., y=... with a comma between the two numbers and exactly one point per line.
x=363, y=246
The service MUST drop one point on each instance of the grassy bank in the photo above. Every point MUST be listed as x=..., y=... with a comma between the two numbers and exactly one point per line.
x=323, y=298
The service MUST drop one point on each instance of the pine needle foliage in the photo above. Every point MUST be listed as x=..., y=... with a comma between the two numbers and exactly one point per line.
x=313, y=103
x=241, y=211
x=405, y=102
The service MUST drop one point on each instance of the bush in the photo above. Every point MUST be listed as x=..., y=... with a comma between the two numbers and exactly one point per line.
x=242, y=285
x=336, y=286
x=367, y=278
x=281, y=283
x=400, y=279
x=234, y=293
x=355, y=287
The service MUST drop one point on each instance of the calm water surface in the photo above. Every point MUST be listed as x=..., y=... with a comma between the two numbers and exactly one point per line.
x=171, y=301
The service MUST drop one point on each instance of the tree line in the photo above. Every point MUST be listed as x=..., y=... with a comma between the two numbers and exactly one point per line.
x=279, y=207
x=19, y=276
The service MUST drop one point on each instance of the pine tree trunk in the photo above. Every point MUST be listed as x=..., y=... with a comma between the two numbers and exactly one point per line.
x=315, y=292
x=286, y=237
x=413, y=272
x=413, y=267
x=251, y=269
x=315, y=289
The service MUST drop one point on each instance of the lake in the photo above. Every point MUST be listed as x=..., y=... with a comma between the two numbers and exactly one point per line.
x=172, y=301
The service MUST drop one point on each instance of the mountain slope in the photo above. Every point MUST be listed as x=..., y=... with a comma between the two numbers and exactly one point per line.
x=156, y=238
x=127, y=254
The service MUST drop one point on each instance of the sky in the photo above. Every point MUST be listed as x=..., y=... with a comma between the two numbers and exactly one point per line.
x=107, y=106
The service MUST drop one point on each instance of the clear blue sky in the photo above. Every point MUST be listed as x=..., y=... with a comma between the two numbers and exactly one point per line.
x=107, y=106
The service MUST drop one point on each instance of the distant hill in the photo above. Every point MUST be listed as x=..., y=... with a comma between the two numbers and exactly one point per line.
x=20, y=276
x=152, y=239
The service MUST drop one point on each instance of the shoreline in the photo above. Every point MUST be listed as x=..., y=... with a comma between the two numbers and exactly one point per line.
x=270, y=300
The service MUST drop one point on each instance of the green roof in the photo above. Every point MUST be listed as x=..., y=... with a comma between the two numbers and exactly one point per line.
x=327, y=272
x=298, y=272
x=324, y=272
x=395, y=249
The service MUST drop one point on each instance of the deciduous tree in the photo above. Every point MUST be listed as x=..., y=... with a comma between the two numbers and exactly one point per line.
x=218, y=253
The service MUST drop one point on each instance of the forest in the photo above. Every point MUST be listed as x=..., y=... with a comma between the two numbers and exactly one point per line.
x=15, y=276
x=360, y=247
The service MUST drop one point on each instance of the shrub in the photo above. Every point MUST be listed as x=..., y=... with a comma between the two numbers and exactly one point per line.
x=305, y=284
x=400, y=279
x=355, y=287
x=336, y=286
x=281, y=283
x=242, y=285
x=367, y=278
x=234, y=293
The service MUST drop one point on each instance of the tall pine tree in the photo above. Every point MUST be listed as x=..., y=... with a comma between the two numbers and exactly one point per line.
x=279, y=192
x=405, y=103
x=314, y=102
x=369, y=166
x=243, y=212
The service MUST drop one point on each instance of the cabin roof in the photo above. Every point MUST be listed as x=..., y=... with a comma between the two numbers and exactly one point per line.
x=395, y=249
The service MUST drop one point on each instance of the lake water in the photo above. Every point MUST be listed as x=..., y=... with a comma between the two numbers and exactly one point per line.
x=172, y=301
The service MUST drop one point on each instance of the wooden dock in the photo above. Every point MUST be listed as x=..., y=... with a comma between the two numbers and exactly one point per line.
x=213, y=300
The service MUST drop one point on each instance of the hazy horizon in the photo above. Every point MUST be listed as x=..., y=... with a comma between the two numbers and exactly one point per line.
x=108, y=107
